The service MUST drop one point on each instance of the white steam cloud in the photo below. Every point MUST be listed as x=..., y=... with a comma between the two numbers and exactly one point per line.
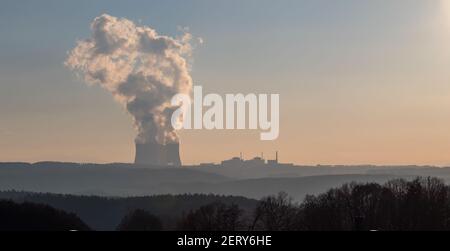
x=142, y=69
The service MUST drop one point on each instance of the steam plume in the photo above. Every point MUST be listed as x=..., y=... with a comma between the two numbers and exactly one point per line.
x=142, y=69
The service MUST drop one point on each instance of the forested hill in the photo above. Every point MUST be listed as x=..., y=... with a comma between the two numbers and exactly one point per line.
x=105, y=213
x=37, y=217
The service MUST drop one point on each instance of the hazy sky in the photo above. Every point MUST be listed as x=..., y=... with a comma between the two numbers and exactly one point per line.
x=360, y=81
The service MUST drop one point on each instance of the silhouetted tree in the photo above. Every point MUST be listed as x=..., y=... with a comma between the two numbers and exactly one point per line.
x=140, y=220
x=421, y=204
x=213, y=217
x=275, y=213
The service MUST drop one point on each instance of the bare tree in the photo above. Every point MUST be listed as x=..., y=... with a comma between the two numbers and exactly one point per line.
x=275, y=213
x=213, y=217
x=140, y=220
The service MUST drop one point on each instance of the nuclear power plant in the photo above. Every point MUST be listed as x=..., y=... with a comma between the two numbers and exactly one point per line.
x=258, y=161
x=157, y=154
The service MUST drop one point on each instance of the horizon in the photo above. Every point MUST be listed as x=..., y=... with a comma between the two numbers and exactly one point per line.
x=359, y=81
x=202, y=164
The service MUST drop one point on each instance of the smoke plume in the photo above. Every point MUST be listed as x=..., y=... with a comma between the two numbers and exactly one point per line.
x=140, y=68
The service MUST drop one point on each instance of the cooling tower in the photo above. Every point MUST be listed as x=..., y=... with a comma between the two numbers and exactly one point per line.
x=157, y=154
x=149, y=154
x=172, y=151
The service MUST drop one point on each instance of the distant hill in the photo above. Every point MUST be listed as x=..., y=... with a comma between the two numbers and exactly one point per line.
x=123, y=180
x=97, y=179
x=303, y=171
x=102, y=213
x=298, y=188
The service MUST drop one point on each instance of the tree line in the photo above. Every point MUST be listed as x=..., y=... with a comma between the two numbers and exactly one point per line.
x=398, y=205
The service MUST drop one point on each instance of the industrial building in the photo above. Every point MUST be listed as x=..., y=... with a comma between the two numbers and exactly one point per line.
x=258, y=161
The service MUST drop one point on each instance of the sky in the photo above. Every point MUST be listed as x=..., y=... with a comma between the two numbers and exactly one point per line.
x=360, y=81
